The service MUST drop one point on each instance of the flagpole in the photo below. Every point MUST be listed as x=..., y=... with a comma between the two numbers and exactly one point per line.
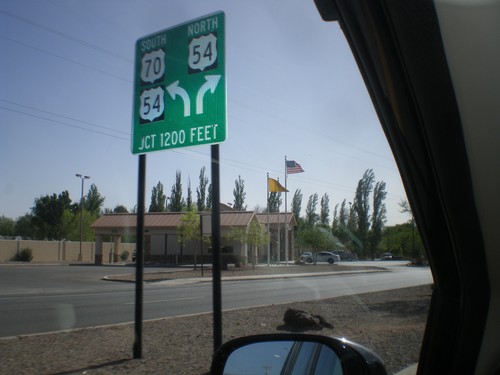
x=268, y=232
x=286, y=219
x=278, y=256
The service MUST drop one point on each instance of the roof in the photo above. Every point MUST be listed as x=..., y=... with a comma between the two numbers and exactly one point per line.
x=275, y=218
x=167, y=220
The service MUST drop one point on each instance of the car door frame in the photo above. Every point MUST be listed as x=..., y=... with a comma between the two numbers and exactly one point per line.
x=398, y=48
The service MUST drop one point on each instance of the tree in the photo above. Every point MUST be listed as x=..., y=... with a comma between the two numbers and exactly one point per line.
x=158, y=199
x=209, y=201
x=189, y=229
x=324, y=215
x=343, y=214
x=297, y=204
x=7, y=226
x=311, y=215
x=239, y=194
x=254, y=236
x=201, y=191
x=378, y=217
x=48, y=214
x=24, y=226
x=93, y=201
x=257, y=236
x=176, y=200
x=402, y=240
x=189, y=199
x=339, y=224
x=362, y=206
x=274, y=202
x=417, y=251
x=315, y=238
x=120, y=209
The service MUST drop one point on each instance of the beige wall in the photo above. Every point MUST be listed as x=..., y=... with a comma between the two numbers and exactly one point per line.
x=58, y=251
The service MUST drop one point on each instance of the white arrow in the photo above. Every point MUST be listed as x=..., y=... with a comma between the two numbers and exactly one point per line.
x=174, y=89
x=211, y=84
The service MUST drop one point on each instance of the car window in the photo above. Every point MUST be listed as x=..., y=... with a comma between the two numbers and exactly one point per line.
x=306, y=173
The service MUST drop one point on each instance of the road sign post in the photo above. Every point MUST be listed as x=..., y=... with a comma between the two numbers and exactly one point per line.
x=180, y=101
x=180, y=86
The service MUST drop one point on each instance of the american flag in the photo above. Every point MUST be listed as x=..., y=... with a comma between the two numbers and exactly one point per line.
x=293, y=167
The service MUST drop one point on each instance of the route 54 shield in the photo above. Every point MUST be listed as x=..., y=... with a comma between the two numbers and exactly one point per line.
x=180, y=86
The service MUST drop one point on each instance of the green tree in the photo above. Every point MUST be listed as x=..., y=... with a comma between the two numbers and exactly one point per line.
x=158, y=199
x=361, y=206
x=343, y=214
x=402, y=240
x=297, y=204
x=324, y=215
x=274, y=202
x=379, y=216
x=93, y=201
x=189, y=226
x=239, y=194
x=417, y=252
x=176, y=200
x=340, y=225
x=209, y=200
x=24, y=226
x=315, y=238
x=189, y=229
x=254, y=236
x=201, y=191
x=7, y=226
x=48, y=214
x=311, y=215
x=189, y=198
x=120, y=209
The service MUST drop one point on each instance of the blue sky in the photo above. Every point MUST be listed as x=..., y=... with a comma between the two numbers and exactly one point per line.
x=66, y=94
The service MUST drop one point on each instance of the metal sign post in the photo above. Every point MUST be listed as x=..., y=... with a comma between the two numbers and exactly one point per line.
x=139, y=268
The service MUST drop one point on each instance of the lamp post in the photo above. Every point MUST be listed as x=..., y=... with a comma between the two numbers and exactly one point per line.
x=83, y=178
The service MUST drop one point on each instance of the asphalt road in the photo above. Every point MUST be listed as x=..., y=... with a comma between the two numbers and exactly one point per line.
x=36, y=299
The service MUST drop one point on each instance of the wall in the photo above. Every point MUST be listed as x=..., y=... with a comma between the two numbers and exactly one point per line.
x=58, y=251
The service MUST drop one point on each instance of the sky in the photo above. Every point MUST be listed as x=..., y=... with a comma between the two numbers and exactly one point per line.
x=293, y=90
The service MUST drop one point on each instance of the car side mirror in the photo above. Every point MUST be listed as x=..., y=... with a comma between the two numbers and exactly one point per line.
x=294, y=354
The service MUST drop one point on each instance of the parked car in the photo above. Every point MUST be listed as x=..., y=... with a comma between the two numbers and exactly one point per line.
x=386, y=256
x=323, y=256
x=305, y=255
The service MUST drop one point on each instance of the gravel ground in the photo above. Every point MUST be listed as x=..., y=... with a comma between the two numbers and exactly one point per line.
x=391, y=323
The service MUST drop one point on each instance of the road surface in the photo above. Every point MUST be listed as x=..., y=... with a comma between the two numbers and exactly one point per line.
x=35, y=299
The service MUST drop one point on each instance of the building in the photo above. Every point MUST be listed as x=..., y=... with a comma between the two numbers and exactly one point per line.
x=163, y=243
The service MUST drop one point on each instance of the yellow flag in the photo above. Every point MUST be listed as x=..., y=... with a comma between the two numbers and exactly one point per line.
x=274, y=186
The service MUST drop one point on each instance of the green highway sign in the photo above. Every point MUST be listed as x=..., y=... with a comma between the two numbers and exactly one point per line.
x=180, y=86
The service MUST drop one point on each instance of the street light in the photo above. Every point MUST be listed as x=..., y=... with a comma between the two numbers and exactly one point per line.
x=83, y=178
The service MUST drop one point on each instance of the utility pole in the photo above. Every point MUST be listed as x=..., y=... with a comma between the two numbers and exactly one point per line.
x=83, y=178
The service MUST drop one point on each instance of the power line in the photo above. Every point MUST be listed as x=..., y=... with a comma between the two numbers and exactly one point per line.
x=67, y=36
x=64, y=123
x=65, y=117
x=64, y=58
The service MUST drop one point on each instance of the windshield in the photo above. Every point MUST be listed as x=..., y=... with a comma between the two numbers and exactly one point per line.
x=308, y=185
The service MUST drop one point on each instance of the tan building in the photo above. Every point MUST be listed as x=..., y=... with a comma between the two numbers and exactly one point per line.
x=162, y=242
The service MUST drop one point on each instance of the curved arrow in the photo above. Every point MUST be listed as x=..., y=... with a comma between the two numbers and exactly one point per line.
x=211, y=84
x=174, y=89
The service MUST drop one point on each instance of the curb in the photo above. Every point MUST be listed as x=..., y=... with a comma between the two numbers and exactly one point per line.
x=196, y=280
